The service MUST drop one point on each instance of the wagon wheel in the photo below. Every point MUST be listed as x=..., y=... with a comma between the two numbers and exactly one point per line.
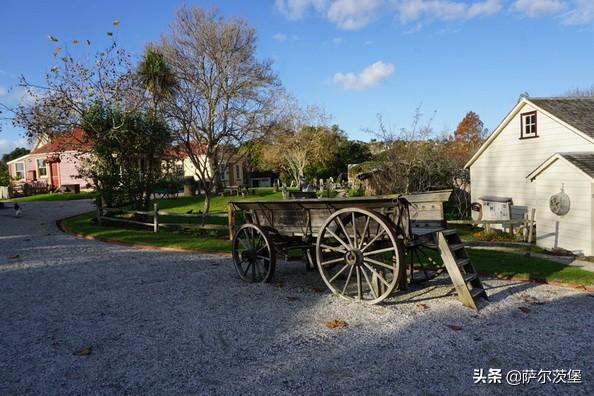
x=253, y=254
x=359, y=255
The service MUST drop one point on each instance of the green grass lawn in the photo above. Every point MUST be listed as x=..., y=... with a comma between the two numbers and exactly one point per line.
x=59, y=196
x=505, y=265
x=508, y=265
x=173, y=239
x=218, y=204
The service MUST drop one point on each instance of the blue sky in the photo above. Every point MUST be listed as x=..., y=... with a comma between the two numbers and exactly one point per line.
x=354, y=58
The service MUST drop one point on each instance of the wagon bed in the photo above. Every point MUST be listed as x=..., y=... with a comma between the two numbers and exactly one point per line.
x=359, y=245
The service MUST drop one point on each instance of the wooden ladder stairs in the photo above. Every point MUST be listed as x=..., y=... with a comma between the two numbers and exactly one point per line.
x=460, y=269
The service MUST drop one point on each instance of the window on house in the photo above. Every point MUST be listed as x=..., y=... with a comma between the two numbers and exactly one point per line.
x=179, y=169
x=41, y=168
x=19, y=170
x=237, y=174
x=529, y=125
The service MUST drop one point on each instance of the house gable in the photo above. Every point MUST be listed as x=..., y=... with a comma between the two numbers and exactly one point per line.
x=507, y=159
x=527, y=105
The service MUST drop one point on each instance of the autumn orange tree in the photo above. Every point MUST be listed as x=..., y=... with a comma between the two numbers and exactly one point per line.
x=467, y=138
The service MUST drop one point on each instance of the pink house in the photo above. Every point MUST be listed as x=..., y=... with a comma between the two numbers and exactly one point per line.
x=53, y=162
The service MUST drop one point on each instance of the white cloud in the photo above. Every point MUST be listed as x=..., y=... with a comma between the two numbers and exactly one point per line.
x=296, y=9
x=280, y=37
x=582, y=13
x=484, y=8
x=7, y=145
x=370, y=76
x=353, y=14
x=337, y=40
x=3, y=91
x=356, y=14
x=413, y=10
x=536, y=8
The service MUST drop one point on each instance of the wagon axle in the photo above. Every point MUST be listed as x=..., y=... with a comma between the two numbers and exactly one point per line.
x=354, y=257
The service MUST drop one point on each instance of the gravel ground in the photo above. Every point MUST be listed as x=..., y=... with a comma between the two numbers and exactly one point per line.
x=85, y=317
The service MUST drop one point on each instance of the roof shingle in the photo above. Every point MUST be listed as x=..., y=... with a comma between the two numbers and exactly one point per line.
x=577, y=112
x=582, y=160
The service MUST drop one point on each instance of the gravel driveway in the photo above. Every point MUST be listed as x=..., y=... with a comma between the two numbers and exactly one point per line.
x=85, y=317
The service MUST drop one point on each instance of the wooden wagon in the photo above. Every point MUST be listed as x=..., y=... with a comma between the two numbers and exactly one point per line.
x=359, y=245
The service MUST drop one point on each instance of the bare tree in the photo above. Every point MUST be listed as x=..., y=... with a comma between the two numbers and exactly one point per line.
x=300, y=137
x=414, y=158
x=223, y=95
x=580, y=92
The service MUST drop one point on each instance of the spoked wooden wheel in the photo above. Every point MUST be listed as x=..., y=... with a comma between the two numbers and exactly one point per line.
x=359, y=255
x=253, y=254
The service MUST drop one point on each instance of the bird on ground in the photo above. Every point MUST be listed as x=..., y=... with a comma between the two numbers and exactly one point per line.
x=17, y=210
x=190, y=211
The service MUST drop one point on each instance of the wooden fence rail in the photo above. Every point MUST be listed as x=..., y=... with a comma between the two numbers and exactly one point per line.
x=527, y=221
x=107, y=215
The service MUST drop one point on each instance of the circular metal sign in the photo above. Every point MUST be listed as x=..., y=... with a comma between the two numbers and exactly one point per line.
x=560, y=203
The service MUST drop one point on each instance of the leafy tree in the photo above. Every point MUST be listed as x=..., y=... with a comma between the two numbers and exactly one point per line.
x=470, y=129
x=16, y=153
x=103, y=94
x=223, y=95
x=344, y=153
x=124, y=163
x=156, y=76
x=294, y=151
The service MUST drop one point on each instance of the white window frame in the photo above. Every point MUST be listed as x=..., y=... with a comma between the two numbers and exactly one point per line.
x=44, y=167
x=529, y=125
x=17, y=171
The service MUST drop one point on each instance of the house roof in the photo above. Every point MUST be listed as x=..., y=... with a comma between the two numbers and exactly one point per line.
x=577, y=114
x=584, y=161
x=67, y=141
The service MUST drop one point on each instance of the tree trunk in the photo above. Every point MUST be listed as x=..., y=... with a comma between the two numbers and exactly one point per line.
x=206, y=206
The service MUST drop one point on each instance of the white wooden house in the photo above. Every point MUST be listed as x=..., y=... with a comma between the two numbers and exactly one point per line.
x=544, y=147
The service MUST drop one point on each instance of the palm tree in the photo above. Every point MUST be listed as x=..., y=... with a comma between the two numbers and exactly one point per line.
x=157, y=78
x=156, y=75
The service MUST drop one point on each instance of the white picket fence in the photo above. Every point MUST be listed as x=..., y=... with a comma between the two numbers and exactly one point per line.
x=4, y=192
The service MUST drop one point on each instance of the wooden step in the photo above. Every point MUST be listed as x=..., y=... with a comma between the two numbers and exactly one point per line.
x=461, y=262
x=470, y=277
x=478, y=292
x=449, y=231
x=461, y=271
x=456, y=246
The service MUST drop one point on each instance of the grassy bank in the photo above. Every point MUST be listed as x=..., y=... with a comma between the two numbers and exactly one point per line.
x=59, y=196
x=502, y=265
x=84, y=225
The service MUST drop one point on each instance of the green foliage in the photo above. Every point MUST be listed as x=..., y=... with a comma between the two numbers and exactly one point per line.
x=342, y=153
x=156, y=75
x=126, y=149
x=356, y=192
x=16, y=153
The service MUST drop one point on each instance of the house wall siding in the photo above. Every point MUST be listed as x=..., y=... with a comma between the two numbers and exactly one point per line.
x=502, y=168
x=572, y=231
x=68, y=170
